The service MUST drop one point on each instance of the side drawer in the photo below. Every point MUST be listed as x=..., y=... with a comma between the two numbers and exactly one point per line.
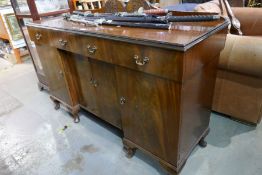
x=39, y=36
x=160, y=62
x=84, y=45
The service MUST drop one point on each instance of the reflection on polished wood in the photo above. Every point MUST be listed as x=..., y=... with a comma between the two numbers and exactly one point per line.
x=180, y=37
x=155, y=85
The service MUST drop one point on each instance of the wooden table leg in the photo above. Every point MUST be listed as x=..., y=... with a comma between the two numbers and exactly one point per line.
x=17, y=56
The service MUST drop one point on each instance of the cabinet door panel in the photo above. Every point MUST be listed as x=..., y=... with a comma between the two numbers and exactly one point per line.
x=53, y=69
x=150, y=112
x=87, y=90
x=106, y=93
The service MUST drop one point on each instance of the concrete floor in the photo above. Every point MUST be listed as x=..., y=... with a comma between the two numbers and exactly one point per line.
x=32, y=141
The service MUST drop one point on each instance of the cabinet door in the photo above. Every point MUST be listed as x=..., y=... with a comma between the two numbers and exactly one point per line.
x=104, y=82
x=87, y=90
x=149, y=110
x=52, y=66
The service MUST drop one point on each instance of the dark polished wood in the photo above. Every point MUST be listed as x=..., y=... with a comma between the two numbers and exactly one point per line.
x=104, y=82
x=87, y=98
x=155, y=85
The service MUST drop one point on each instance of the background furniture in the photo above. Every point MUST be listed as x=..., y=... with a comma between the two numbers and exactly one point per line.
x=233, y=3
x=134, y=5
x=238, y=91
x=88, y=4
x=10, y=31
x=32, y=10
x=155, y=85
x=112, y=6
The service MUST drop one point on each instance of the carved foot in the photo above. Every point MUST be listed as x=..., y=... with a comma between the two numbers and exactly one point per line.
x=202, y=143
x=57, y=105
x=74, y=111
x=129, y=150
x=56, y=102
x=76, y=118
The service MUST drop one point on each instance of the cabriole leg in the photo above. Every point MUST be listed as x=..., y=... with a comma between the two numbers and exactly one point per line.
x=56, y=102
x=129, y=150
x=202, y=143
x=74, y=112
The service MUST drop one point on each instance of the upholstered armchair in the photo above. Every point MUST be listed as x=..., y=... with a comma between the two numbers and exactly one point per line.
x=238, y=91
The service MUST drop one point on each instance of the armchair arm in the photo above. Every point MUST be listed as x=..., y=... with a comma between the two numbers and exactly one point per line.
x=242, y=54
x=250, y=19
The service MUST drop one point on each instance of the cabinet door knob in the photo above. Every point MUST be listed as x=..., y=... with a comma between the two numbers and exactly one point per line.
x=91, y=81
x=62, y=42
x=122, y=100
x=95, y=83
x=38, y=36
x=91, y=49
x=141, y=61
x=61, y=74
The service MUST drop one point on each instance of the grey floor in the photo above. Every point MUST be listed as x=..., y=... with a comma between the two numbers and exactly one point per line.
x=32, y=140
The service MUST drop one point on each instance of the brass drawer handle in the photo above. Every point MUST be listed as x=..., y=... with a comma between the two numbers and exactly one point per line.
x=91, y=49
x=122, y=100
x=38, y=36
x=141, y=61
x=93, y=82
x=62, y=42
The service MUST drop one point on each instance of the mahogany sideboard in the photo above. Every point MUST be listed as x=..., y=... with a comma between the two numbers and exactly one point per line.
x=155, y=85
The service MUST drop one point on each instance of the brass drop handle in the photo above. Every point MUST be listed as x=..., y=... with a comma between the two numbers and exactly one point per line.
x=38, y=36
x=91, y=49
x=62, y=42
x=93, y=82
x=122, y=100
x=141, y=61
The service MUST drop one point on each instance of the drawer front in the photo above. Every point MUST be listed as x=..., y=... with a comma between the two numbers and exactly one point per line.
x=156, y=61
x=84, y=45
x=160, y=62
x=39, y=36
x=59, y=40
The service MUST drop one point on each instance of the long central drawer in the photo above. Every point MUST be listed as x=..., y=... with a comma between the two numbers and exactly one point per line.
x=160, y=62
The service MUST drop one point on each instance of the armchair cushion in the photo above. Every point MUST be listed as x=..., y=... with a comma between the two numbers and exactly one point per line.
x=242, y=54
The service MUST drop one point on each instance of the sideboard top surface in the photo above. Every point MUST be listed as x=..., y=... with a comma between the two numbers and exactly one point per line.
x=183, y=36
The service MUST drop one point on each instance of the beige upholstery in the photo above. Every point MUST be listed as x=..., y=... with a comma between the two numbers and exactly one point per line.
x=242, y=55
x=238, y=91
x=164, y=3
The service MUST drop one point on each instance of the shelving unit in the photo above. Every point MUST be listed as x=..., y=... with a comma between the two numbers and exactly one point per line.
x=10, y=34
x=88, y=4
